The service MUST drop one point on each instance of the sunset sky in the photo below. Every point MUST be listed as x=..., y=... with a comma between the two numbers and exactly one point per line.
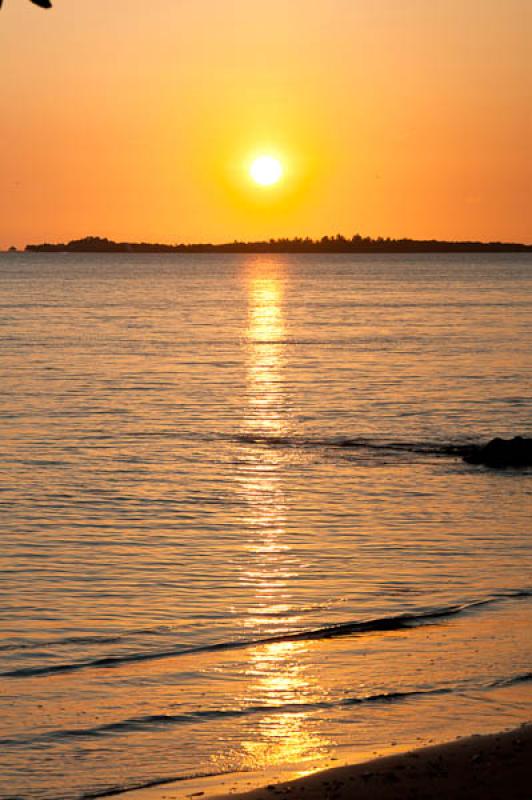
x=139, y=120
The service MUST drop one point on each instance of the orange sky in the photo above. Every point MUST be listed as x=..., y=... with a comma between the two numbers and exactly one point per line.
x=137, y=120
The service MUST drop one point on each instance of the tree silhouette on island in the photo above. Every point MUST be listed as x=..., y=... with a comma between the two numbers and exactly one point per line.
x=327, y=244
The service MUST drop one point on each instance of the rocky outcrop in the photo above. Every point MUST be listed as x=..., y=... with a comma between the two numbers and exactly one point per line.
x=516, y=452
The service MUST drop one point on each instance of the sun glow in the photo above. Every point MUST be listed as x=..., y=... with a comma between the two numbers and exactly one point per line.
x=266, y=170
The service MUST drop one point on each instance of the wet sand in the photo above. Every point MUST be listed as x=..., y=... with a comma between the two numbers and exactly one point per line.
x=497, y=767
x=494, y=767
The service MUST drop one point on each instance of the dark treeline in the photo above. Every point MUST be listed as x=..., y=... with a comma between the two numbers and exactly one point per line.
x=327, y=244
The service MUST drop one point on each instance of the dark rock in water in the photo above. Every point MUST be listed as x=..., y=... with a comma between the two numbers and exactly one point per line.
x=516, y=452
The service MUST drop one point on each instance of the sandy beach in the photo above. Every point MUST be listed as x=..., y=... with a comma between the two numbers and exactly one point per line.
x=497, y=767
x=492, y=767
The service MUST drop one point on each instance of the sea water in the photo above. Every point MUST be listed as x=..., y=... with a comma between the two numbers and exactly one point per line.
x=233, y=532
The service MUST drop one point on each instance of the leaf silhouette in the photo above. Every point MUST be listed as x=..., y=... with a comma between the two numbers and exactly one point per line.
x=40, y=3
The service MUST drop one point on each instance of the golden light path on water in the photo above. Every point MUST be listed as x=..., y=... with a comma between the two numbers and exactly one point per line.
x=265, y=333
x=278, y=673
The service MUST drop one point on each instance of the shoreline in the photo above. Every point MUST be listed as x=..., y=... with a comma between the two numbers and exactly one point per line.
x=495, y=766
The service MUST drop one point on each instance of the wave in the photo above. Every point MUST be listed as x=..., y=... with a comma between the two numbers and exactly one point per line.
x=88, y=639
x=360, y=443
x=151, y=722
x=512, y=681
x=151, y=784
x=378, y=624
x=515, y=452
x=158, y=721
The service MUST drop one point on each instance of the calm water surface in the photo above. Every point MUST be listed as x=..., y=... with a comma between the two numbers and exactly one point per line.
x=197, y=574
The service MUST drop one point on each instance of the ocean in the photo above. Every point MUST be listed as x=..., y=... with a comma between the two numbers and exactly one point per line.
x=234, y=533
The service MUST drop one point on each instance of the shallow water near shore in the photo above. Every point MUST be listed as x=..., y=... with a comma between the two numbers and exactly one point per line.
x=198, y=575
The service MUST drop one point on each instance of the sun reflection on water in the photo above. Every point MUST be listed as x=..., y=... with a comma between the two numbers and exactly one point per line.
x=265, y=337
x=277, y=672
x=278, y=677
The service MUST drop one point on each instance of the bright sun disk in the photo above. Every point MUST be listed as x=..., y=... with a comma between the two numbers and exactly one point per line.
x=266, y=170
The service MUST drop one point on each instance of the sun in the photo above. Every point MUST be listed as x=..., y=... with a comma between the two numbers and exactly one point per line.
x=266, y=170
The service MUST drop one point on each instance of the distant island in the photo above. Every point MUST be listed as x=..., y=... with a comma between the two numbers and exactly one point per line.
x=327, y=244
